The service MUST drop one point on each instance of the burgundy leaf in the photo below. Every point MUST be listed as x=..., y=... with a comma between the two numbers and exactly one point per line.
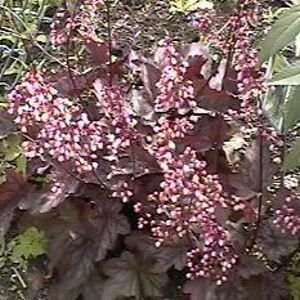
x=173, y=255
x=208, y=132
x=12, y=191
x=250, y=266
x=70, y=86
x=214, y=100
x=99, y=51
x=267, y=286
x=150, y=75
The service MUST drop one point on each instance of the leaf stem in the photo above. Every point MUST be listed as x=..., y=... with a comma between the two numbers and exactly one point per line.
x=19, y=277
x=109, y=33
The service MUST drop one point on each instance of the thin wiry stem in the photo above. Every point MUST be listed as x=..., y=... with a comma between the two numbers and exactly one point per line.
x=109, y=34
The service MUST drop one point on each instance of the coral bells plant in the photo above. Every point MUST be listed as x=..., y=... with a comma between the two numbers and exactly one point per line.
x=137, y=153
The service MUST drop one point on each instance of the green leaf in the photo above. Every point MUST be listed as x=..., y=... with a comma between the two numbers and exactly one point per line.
x=288, y=76
x=283, y=32
x=30, y=244
x=10, y=147
x=294, y=287
x=21, y=164
x=273, y=106
x=279, y=63
x=184, y=6
x=292, y=108
x=292, y=160
x=42, y=38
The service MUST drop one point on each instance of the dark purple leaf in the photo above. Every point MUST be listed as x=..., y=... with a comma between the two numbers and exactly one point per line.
x=269, y=286
x=232, y=290
x=108, y=224
x=93, y=288
x=6, y=125
x=149, y=74
x=165, y=256
x=249, y=266
x=200, y=289
x=275, y=244
x=143, y=245
x=73, y=269
x=132, y=276
x=61, y=186
x=208, y=132
x=70, y=86
x=172, y=256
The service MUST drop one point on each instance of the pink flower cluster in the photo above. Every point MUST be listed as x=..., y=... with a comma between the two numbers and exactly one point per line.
x=188, y=193
x=163, y=146
x=55, y=126
x=175, y=92
x=287, y=217
x=186, y=204
x=62, y=129
x=251, y=83
x=216, y=258
x=35, y=100
x=112, y=102
x=236, y=40
x=83, y=21
x=204, y=21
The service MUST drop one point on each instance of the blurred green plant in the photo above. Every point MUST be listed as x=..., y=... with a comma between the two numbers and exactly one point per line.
x=22, y=31
x=294, y=286
x=281, y=103
x=25, y=247
x=186, y=6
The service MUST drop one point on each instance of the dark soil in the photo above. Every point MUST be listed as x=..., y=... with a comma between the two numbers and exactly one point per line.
x=141, y=24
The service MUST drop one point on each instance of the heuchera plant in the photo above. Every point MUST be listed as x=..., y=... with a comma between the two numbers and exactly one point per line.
x=160, y=170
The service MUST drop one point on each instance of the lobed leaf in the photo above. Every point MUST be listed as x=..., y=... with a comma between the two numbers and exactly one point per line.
x=200, y=289
x=283, y=32
x=132, y=276
x=108, y=224
x=287, y=76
